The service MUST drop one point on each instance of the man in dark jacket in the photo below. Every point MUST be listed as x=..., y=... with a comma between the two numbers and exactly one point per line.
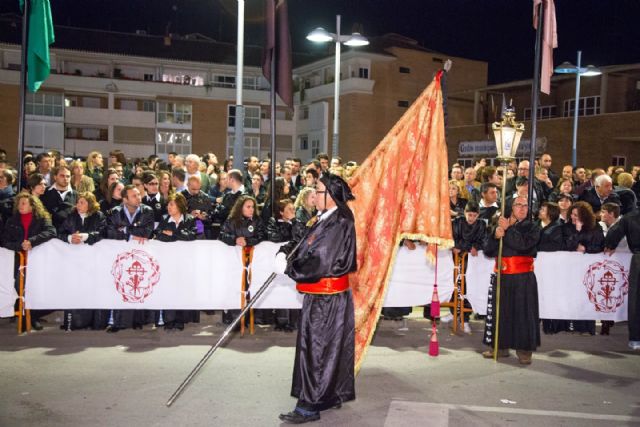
x=601, y=193
x=130, y=221
x=199, y=205
x=60, y=198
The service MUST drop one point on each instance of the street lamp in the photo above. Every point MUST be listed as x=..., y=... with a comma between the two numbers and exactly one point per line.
x=507, y=134
x=578, y=70
x=320, y=35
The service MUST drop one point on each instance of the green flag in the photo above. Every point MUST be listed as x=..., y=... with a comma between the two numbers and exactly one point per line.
x=39, y=38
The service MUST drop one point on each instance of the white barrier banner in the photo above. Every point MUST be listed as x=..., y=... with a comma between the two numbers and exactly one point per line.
x=571, y=285
x=8, y=292
x=192, y=275
x=117, y=274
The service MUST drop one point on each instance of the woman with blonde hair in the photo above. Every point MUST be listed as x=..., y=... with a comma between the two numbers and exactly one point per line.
x=305, y=204
x=166, y=187
x=95, y=167
x=79, y=181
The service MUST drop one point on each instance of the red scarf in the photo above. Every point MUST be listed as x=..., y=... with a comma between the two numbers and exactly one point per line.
x=26, y=219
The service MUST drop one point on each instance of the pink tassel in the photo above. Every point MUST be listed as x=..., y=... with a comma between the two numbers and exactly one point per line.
x=434, y=346
x=435, y=302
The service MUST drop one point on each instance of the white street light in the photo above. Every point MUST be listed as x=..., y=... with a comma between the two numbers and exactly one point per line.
x=320, y=35
x=578, y=70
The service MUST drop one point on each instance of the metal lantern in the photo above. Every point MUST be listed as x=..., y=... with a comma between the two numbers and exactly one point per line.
x=507, y=134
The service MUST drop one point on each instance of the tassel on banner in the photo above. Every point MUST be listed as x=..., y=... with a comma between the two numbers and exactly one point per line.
x=434, y=346
x=435, y=302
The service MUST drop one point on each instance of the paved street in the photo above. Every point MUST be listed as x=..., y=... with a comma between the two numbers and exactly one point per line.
x=81, y=378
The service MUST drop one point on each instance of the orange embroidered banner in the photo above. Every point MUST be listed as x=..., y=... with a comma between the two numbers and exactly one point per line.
x=401, y=191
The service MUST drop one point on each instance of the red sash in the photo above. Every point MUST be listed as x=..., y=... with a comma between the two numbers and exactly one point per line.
x=515, y=265
x=326, y=286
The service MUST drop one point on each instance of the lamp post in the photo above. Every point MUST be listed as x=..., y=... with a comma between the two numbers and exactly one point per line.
x=578, y=70
x=320, y=35
x=507, y=135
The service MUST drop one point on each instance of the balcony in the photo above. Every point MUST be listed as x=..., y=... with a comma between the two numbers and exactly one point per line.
x=106, y=117
x=347, y=86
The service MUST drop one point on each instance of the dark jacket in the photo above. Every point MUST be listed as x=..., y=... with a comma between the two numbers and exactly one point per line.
x=185, y=231
x=94, y=225
x=592, y=240
x=279, y=231
x=159, y=207
x=200, y=202
x=252, y=229
x=468, y=236
x=40, y=231
x=520, y=239
x=590, y=196
x=459, y=206
x=551, y=237
x=628, y=200
x=118, y=227
x=223, y=209
x=303, y=216
x=57, y=207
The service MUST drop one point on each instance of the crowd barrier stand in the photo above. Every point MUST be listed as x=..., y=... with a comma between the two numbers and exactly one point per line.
x=22, y=314
x=459, y=291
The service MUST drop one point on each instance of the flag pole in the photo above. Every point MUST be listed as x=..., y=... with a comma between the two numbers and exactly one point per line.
x=23, y=90
x=238, y=143
x=273, y=131
x=535, y=96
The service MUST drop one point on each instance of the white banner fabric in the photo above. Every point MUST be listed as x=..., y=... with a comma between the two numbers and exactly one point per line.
x=8, y=292
x=571, y=285
x=192, y=275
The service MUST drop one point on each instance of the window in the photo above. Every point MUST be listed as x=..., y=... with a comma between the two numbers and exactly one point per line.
x=363, y=73
x=466, y=163
x=304, y=142
x=618, y=161
x=405, y=70
x=304, y=112
x=438, y=60
x=250, y=83
x=544, y=112
x=129, y=104
x=587, y=106
x=87, y=133
x=149, y=106
x=251, y=146
x=44, y=104
x=251, y=117
x=174, y=112
x=315, y=147
x=168, y=141
x=404, y=104
x=148, y=77
x=224, y=81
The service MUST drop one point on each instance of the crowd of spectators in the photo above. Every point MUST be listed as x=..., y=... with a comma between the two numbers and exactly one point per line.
x=82, y=201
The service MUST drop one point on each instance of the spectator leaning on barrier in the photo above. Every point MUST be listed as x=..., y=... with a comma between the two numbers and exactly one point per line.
x=176, y=225
x=29, y=226
x=60, y=198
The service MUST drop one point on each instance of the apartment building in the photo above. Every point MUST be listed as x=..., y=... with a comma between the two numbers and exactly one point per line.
x=148, y=94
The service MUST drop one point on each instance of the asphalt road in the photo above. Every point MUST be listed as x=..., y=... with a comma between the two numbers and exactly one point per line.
x=79, y=378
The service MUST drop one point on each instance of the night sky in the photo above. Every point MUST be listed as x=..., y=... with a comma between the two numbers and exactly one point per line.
x=497, y=31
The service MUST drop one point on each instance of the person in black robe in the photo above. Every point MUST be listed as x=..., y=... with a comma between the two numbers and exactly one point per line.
x=519, y=319
x=177, y=225
x=84, y=225
x=200, y=207
x=130, y=221
x=323, y=372
x=153, y=198
x=629, y=227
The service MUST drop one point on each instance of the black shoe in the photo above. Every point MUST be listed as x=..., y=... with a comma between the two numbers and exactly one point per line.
x=288, y=328
x=295, y=417
x=35, y=325
x=180, y=326
x=168, y=326
x=337, y=405
x=137, y=326
x=112, y=329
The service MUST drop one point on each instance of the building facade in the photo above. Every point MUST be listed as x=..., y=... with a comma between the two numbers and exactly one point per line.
x=608, y=119
x=148, y=95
